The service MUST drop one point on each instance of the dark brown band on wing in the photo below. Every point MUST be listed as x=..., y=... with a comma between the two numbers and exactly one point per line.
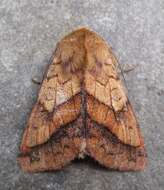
x=58, y=151
x=123, y=125
x=42, y=124
x=104, y=147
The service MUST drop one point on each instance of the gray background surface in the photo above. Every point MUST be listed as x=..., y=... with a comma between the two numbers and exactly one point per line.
x=29, y=30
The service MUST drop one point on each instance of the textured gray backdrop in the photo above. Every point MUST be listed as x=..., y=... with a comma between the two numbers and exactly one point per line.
x=29, y=30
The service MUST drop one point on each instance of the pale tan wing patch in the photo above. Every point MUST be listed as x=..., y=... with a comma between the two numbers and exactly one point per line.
x=58, y=89
x=100, y=90
x=106, y=87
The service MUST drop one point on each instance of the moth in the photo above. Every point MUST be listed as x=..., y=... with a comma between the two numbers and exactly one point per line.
x=82, y=109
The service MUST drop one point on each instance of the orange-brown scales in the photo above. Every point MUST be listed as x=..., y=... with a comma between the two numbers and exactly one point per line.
x=82, y=109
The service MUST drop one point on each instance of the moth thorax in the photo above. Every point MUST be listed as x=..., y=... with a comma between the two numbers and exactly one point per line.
x=72, y=67
x=73, y=61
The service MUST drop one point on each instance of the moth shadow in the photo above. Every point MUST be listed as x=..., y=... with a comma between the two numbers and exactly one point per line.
x=90, y=163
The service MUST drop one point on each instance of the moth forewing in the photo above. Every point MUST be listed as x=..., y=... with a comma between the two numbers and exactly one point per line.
x=82, y=109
